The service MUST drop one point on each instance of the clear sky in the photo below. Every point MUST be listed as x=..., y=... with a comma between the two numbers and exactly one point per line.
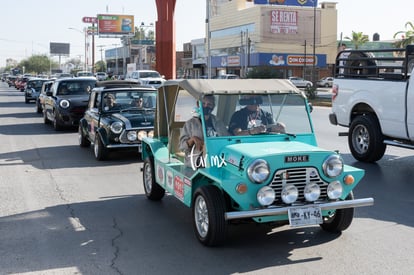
x=28, y=26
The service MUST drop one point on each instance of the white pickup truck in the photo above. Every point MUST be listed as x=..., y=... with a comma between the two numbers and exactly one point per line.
x=373, y=97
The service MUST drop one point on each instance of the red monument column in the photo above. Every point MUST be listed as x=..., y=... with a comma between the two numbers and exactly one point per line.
x=165, y=38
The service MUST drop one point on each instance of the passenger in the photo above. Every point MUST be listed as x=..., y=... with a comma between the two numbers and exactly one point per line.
x=109, y=102
x=139, y=102
x=252, y=120
x=191, y=138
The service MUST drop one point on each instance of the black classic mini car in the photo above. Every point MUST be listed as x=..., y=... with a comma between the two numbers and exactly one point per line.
x=119, y=115
x=66, y=101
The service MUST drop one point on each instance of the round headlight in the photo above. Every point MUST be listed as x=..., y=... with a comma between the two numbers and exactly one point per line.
x=116, y=127
x=266, y=196
x=333, y=166
x=258, y=171
x=334, y=190
x=142, y=134
x=151, y=134
x=132, y=135
x=312, y=191
x=64, y=103
x=289, y=194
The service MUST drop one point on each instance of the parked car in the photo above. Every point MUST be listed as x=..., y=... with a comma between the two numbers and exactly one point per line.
x=84, y=73
x=147, y=77
x=228, y=76
x=33, y=87
x=67, y=100
x=300, y=82
x=101, y=76
x=121, y=125
x=325, y=82
x=269, y=177
x=40, y=100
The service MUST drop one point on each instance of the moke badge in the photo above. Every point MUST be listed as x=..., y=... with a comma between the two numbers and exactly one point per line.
x=301, y=158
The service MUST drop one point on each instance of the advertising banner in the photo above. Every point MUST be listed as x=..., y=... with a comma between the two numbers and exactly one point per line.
x=300, y=3
x=115, y=25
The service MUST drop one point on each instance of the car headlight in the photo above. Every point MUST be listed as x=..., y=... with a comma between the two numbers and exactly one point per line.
x=334, y=190
x=151, y=134
x=258, y=171
x=64, y=104
x=142, y=134
x=132, y=135
x=312, y=191
x=266, y=196
x=333, y=166
x=116, y=127
x=289, y=193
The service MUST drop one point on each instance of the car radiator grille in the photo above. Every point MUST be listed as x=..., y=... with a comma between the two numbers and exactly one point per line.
x=299, y=177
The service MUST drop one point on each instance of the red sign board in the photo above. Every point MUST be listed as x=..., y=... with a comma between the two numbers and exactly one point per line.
x=90, y=19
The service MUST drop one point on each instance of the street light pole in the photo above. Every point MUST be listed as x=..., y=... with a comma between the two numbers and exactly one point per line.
x=86, y=44
x=208, y=40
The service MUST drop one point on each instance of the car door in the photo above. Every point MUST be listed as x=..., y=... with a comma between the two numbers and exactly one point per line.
x=92, y=115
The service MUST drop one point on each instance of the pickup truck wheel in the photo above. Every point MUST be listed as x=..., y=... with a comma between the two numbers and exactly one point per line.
x=83, y=141
x=99, y=150
x=153, y=191
x=365, y=139
x=340, y=220
x=208, y=215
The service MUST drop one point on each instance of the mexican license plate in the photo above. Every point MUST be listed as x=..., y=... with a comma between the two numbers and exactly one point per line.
x=306, y=215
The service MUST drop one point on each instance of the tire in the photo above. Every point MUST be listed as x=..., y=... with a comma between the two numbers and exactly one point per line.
x=153, y=190
x=56, y=125
x=99, y=150
x=26, y=100
x=208, y=216
x=38, y=109
x=83, y=141
x=365, y=139
x=45, y=119
x=340, y=220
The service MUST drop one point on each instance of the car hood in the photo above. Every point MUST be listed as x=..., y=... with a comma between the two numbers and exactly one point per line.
x=274, y=152
x=142, y=119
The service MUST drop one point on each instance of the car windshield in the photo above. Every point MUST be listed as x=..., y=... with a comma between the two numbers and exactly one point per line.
x=76, y=87
x=120, y=100
x=149, y=75
x=289, y=109
x=36, y=84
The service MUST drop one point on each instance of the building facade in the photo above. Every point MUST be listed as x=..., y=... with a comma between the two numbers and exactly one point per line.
x=294, y=37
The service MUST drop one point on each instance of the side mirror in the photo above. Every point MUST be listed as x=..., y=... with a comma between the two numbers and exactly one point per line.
x=310, y=107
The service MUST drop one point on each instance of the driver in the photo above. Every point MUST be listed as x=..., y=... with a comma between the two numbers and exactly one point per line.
x=252, y=120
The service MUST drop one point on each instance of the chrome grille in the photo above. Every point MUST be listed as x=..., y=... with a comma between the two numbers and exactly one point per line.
x=298, y=177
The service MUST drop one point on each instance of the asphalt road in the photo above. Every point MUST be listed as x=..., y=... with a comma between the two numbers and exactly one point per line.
x=63, y=212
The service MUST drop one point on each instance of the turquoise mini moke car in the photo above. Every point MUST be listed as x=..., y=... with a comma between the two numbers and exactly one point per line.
x=262, y=176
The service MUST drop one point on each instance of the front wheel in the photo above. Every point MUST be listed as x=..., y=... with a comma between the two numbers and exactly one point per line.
x=153, y=191
x=83, y=141
x=208, y=215
x=56, y=124
x=99, y=149
x=365, y=139
x=340, y=220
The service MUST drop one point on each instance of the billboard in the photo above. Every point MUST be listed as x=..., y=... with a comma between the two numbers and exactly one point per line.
x=115, y=25
x=301, y=3
x=59, y=48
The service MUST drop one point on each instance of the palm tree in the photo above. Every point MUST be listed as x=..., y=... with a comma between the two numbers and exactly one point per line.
x=408, y=36
x=358, y=39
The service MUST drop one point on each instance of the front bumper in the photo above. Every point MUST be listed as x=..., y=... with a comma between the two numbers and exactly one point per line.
x=284, y=210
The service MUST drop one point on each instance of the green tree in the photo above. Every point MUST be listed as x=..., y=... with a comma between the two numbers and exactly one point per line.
x=38, y=64
x=358, y=39
x=408, y=36
x=100, y=66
